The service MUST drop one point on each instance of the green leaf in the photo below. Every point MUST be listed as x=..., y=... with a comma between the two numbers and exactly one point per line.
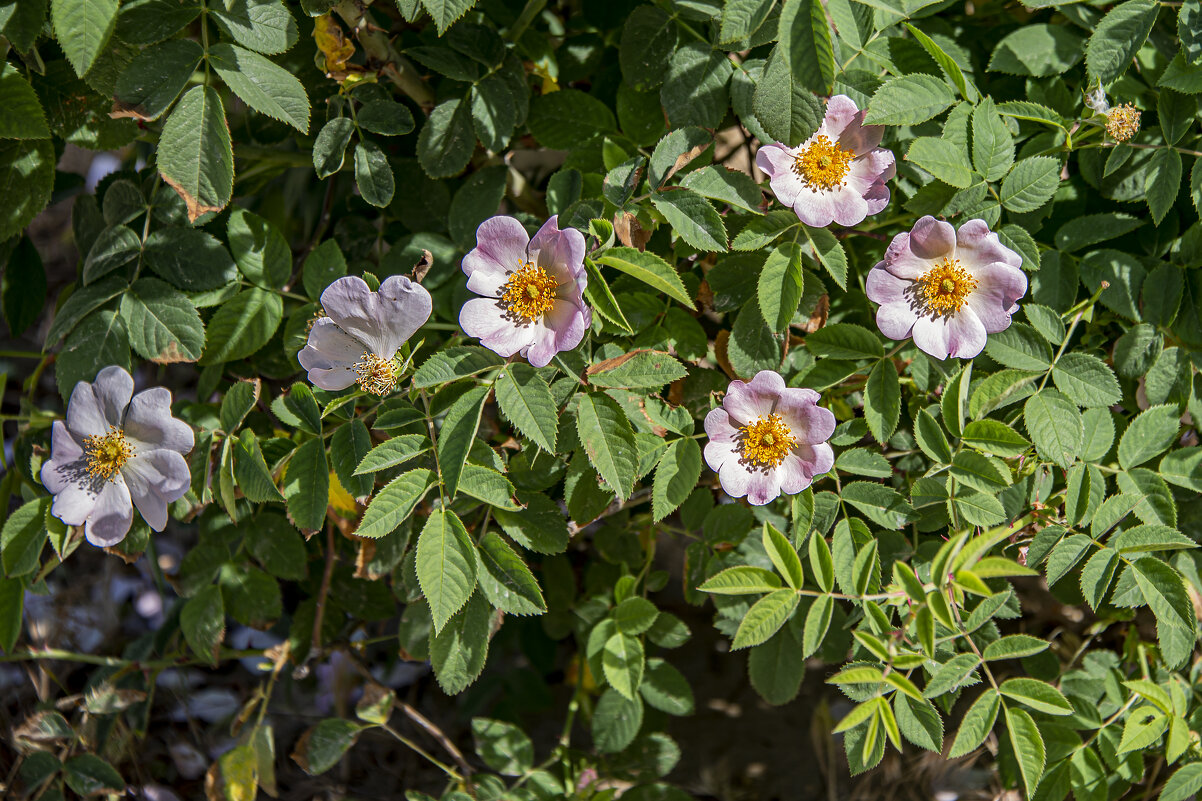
x=908, y=100
x=154, y=79
x=1117, y=38
x=163, y=325
x=23, y=115
x=457, y=434
x=648, y=268
x=393, y=452
x=307, y=485
x=1039, y=50
x=540, y=527
x=23, y=537
x=977, y=723
x=507, y=582
x=459, y=651
x=941, y=158
x=265, y=26
x=89, y=775
x=242, y=325
x=665, y=688
x=949, y=66
x=115, y=247
x=784, y=556
x=188, y=258
x=676, y=477
x=447, y=140
x=259, y=249
x=202, y=620
x=195, y=157
x=386, y=118
x=101, y=339
x=622, y=660
x=752, y=345
x=568, y=118
x=393, y=504
x=83, y=28
x=726, y=186
x=1028, y=747
x=805, y=44
x=1164, y=591
x=882, y=401
x=616, y=721
x=446, y=565
x=12, y=607
x=322, y=747
x=324, y=265
x=931, y=439
x=1086, y=380
x=1030, y=184
x=348, y=448
x=695, y=87
x=844, y=341
x=1036, y=694
x=1055, y=426
x=742, y=580
x=26, y=179
x=765, y=618
x=526, y=402
x=329, y=148
x=1185, y=783
x=263, y=85
x=829, y=253
x=503, y=746
x=373, y=174
x=692, y=218
x=1149, y=435
x=1162, y=182
x=648, y=40
x=881, y=504
x=446, y=12
x=608, y=441
x=251, y=471
x=992, y=144
x=453, y=363
x=780, y=285
x=776, y=668
x=818, y=620
x=741, y=18
x=784, y=108
x=639, y=369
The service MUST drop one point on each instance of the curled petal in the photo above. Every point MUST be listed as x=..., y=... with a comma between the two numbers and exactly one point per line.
x=154, y=480
x=977, y=246
x=149, y=424
x=330, y=356
x=561, y=329
x=381, y=320
x=553, y=247
x=776, y=161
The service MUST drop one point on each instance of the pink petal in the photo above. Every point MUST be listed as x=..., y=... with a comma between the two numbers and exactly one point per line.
x=848, y=206
x=763, y=486
x=501, y=244
x=484, y=319
x=961, y=335
x=841, y=112
x=809, y=422
x=998, y=287
x=977, y=246
x=896, y=320
x=717, y=454
x=149, y=424
x=932, y=239
x=719, y=429
x=816, y=459
x=381, y=320
x=559, y=248
x=562, y=328
x=776, y=161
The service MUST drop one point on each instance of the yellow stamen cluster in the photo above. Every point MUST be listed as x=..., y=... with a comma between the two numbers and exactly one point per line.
x=317, y=315
x=106, y=453
x=765, y=442
x=944, y=288
x=376, y=374
x=529, y=293
x=1122, y=122
x=822, y=164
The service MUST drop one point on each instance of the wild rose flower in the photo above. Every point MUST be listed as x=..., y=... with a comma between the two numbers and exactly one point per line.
x=838, y=174
x=117, y=450
x=361, y=332
x=532, y=290
x=947, y=289
x=767, y=438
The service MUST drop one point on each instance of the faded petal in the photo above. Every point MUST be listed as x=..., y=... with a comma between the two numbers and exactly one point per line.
x=65, y=456
x=330, y=356
x=149, y=424
x=746, y=402
x=763, y=486
x=484, y=319
x=961, y=335
x=97, y=407
x=154, y=480
x=776, y=161
x=112, y=515
x=896, y=320
x=841, y=113
x=501, y=244
x=718, y=427
x=381, y=320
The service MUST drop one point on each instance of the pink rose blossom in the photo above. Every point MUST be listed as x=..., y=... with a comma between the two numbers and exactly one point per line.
x=947, y=289
x=767, y=438
x=362, y=331
x=532, y=290
x=837, y=175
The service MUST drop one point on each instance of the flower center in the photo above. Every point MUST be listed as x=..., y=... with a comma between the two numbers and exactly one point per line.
x=822, y=164
x=765, y=442
x=1122, y=122
x=945, y=287
x=529, y=293
x=106, y=453
x=376, y=374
